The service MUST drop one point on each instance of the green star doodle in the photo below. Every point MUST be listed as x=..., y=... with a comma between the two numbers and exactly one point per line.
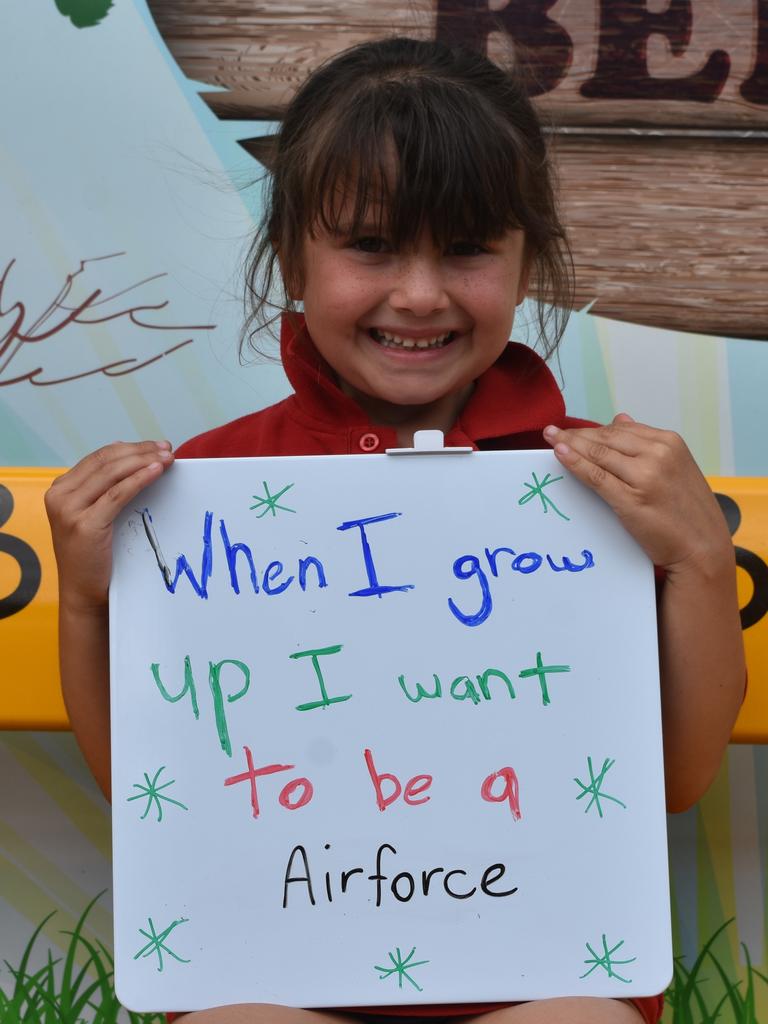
x=270, y=501
x=401, y=968
x=594, y=787
x=607, y=962
x=537, y=489
x=153, y=794
x=157, y=944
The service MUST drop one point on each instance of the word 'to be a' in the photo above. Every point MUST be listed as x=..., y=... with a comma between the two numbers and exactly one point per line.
x=499, y=787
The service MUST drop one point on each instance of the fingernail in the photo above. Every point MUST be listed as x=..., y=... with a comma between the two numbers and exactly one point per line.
x=562, y=449
x=164, y=444
x=550, y=431
x=164, y=454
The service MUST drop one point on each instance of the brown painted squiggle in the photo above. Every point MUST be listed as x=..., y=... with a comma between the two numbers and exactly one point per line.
x=58, y=315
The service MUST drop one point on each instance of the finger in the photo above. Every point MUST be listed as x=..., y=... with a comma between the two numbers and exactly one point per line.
x=597, y=478
x=642, y=430
x=632, y=462
x=623, y=417
x=87, y=467
x=111, y=475
x=103, y=512
x=85, y=488
x=615, y=438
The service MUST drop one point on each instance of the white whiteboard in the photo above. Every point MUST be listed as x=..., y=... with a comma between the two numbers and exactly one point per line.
x=546, y=773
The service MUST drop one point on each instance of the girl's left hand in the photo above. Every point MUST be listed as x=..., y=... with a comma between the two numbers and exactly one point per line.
x=651, y=482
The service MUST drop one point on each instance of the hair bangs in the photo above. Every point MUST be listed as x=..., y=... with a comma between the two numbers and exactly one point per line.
x=402, y=160
x=455, y=176
x=351, y=179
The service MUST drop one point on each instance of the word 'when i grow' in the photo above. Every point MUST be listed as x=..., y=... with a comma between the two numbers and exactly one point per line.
x=470, y=608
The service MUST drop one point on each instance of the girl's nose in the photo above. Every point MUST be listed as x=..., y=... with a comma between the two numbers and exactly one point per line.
x=419, y=288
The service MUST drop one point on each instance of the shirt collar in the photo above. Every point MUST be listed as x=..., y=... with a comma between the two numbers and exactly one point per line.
x=515, y=395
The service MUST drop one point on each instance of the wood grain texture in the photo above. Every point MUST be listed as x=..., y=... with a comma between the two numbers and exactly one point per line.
x=260, y=50
x=669, y=232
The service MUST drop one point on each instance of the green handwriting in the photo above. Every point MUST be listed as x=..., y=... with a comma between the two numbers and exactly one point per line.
x=315, y=654
x=214, y=682
x=541, y=670
x=153, y=794
x=607, y=962
x=400, y=968
x=594, y=787
x=270, y=501
x=538, y=491
x=157, y=944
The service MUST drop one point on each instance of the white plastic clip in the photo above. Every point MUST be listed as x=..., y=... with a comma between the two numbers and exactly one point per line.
x=429, y=442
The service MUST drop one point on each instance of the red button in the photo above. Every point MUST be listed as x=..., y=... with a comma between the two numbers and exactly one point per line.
x=369, y=442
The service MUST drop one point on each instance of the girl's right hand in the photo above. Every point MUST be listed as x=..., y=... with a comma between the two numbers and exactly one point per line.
x=82, y=506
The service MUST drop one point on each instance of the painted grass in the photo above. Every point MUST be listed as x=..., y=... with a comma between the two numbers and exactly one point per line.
x=704, y=993
x=63, y=992
x=77, y=988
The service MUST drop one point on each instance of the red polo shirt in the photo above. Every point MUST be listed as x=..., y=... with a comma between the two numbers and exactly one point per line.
x=512, y=403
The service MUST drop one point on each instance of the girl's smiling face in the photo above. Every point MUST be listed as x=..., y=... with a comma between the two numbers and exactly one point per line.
x=408, y=332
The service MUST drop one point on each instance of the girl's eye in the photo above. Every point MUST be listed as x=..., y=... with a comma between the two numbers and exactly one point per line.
x=466, y=249
x=370, y=244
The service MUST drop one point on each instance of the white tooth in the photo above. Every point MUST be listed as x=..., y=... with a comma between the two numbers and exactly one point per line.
x=398, y=341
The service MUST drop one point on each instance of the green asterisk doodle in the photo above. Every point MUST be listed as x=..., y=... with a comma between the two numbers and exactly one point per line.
x=594, y=787
x=153, y=794
x=157, y=944
x=400, y=968
x=606, y=962
x=537, y=488
x=270, y=502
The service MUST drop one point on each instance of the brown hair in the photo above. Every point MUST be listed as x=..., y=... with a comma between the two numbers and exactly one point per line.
x=471, y=163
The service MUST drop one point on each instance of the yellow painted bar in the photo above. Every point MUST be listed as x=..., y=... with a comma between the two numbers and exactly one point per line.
x=30, y=696
x=745, y=503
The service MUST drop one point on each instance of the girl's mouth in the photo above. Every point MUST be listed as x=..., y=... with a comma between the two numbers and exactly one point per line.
x=404, y=342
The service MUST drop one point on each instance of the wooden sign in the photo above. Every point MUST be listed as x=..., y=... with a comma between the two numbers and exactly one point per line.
x=587, y=62
x=408, y=702
x=667, y=231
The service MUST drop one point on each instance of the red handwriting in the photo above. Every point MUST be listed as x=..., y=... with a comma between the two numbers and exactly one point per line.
x=286, y=793
x=24, y=328
x=300, y=791
x=413, y=787
x=509, y=793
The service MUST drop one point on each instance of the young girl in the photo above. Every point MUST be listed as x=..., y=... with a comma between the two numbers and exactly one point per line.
x=411, y=208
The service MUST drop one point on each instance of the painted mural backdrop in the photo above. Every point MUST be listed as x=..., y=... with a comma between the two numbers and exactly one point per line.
x=127, y=205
